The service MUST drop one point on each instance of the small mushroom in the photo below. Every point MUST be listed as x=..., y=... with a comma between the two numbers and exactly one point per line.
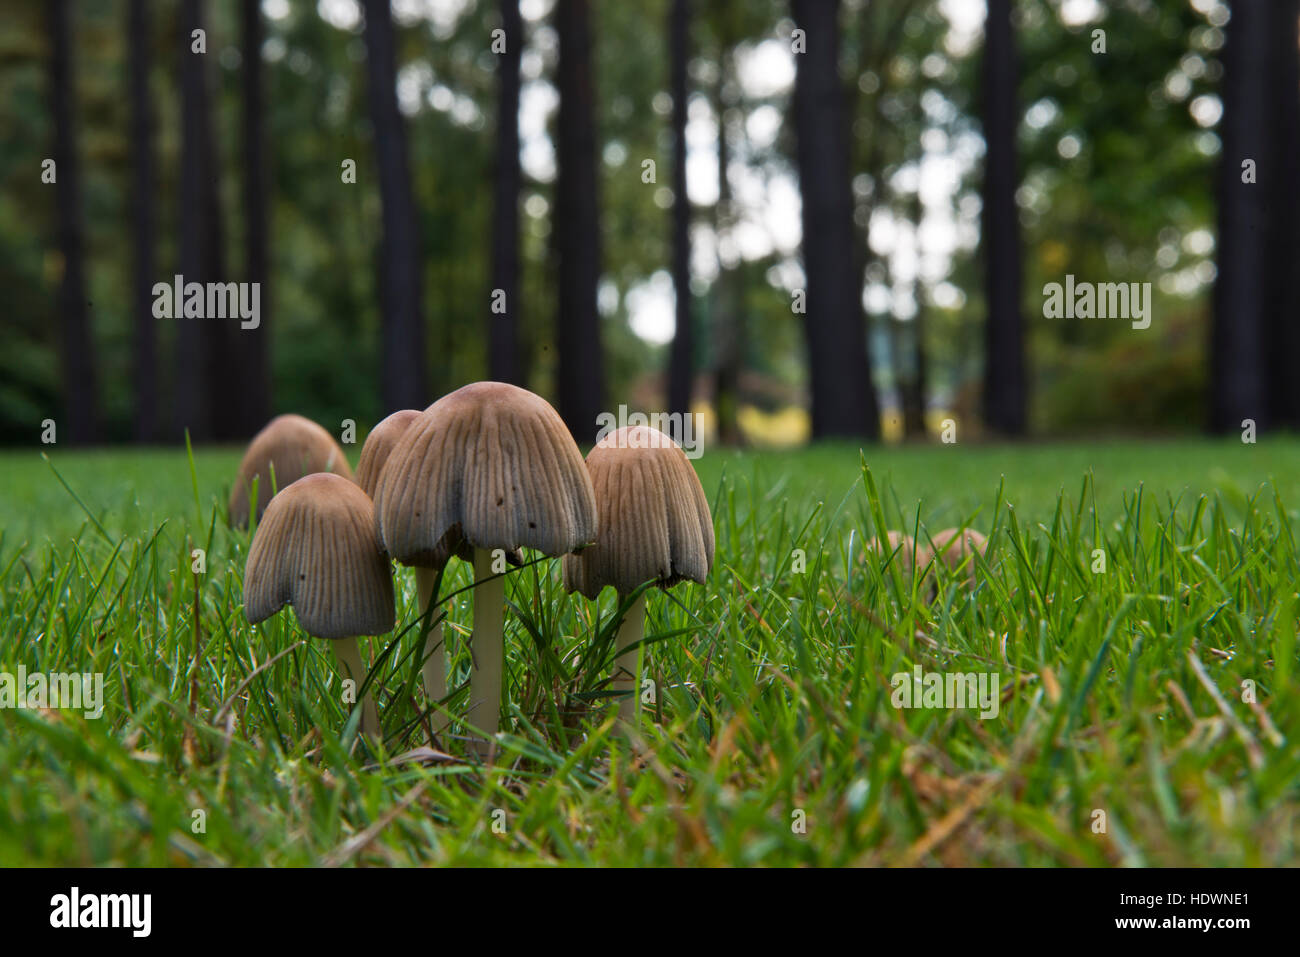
x=378, y=448
x=291, y=446
x=953, y=547
x=315, y=549
x=655, y=526
x=902, y=547
x=490, y=466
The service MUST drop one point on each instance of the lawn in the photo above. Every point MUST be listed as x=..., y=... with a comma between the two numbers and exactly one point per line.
x=1137, y=606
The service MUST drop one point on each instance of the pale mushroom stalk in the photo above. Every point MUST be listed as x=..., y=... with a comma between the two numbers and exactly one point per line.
x=348, y=652
x=627, y=670
x=435, y=658
x=489, y=645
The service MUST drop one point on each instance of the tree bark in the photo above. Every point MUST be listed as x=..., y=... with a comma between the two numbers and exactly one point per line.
x=254, y=394
x=503, y=334
x=1282, y=309
x=205, y=347
x=78, y=347
x=580, y=387
x=1238, y=388
x=843, y=397
x=145, y=371
x=403, y=363
x=681, y=362
x=728, y=316
x=1004, y=334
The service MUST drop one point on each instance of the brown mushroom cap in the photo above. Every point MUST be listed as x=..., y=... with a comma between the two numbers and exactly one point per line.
x=655, y=523
x=490, y=466
x=901, y=546
x=953, y=554
x=315, y=549
x=379, y=446
x=295, y=447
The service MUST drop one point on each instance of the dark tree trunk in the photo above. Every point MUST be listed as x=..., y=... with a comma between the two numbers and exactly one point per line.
x=503, y=337
x=403, y=365
x=145, y=371
x=914, y=386
x=580, y=387
x=1004, y=333
x=205, y=347
x=681, y=361
x=1282, y=311
x=728, y=314
x=1238, y=387
x=78, y=348
x=839, y=373
x=254, y=374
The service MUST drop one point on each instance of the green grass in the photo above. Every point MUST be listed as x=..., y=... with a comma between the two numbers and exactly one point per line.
x=1121, y=691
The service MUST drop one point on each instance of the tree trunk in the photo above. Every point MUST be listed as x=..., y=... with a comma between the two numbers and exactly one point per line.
x=580, y=386
x=254, y=374
x=403, y=369
x=681, y=361
x=1004, y=334
x=727, y=308
x=913, y=392
x=1238, y=387
x=145, y=371
x=205, y=347
x=1282, y=309
x=78, y=347
x=503, y=335
x=839, y=373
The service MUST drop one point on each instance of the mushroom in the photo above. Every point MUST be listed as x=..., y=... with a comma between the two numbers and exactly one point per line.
x=954, y=546
x=315, y=549
x=379, y=445
x=903, y=547
x=292, y=447
x=655, y=526
x=490, y=466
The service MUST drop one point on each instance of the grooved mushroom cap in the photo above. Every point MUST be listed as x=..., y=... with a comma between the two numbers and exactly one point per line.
x=655, y=523
x=488, y=466
x=295, y=447
x=379, y=446
x=315, y=549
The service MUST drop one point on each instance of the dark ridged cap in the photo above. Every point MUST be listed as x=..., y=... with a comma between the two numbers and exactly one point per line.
x=490, y=466
x=315, y=549
x=655, y=523
x=295, y=447
x=379, y=446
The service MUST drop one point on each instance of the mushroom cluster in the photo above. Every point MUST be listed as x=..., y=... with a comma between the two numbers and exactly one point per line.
x=955, y=547
x=480, y=475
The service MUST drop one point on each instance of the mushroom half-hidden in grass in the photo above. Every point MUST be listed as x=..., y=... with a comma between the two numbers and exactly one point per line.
x=315, y=549
x=900, y=548
x=655, y=526
x=489, y=467
x=291, y=447
x=956, y=547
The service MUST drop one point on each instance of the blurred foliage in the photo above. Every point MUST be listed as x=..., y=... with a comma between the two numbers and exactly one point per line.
x=1115, y=171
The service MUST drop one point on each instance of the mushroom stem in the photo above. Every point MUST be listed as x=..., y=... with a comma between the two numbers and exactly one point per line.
x=435, y=659
x=627, y=674
x=348, y=652
x=489, y=646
